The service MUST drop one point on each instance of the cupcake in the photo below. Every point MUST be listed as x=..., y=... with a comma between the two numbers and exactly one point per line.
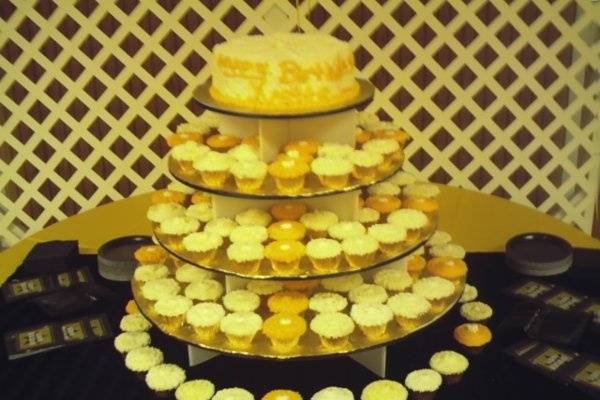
x=324, y=302
x=253, y=217
x=289, y=175
x=360, y=251
x=447, y=250
x=249, y=175
x=390, y=238
x=205, y=319
x=368, y=216
x=473, y=337
x=383, y=204
x=214, y=168
x=387, y=130
x=180, y=187
x=284, y=330
x=388, y=148
x=384, y=188
x=306, y=146
x=476, y=311
x=453, y=269
x=333, y=173
x=384, y=390
x=421, y=196
x=372, y=319
x=450, y=364
x=333, y=328
x=186, y=153
x=469, y=294
x=202, y=246
x=222, y=143
x=410, y=310
x=188, y=273
x=183, y=137
x=282, y=394
x=318, y=222
x=198, y=389
x=157, y=213
x=244, y=152
x=402, y=178
x=436, y=290
x=324, y=254
x=141, y=359
x=415, y=264
x=134, y=323
x=439, y=238
x=393, y=279
x=233, y=394
x=361, y=137
x=201, y=198
x=414, y=221
x=241, y=300
x=295, y=155
x=220, y=226
x=342, y=284
x=171, y=311
x=423, y=383
x=246, y=256
x=163, y=379
x=333, y=393
x=159, y=288
x=335, y=150
x=241, y=327
x=174, y=229
x=204, y=290
x=346, y=229
x=203, y=212
x=149, y=272
x=167, y=196
x=192, y=129
x=264, y=288
x=287, y=230
x=367, y=119
x=292, y=210
x=368, y=293
x=127, y=341
x=365, y=164
x=288, y=302
x=249, y=234
x=285, y=255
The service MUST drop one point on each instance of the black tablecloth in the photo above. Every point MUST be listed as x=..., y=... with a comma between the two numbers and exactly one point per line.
x=97, y=371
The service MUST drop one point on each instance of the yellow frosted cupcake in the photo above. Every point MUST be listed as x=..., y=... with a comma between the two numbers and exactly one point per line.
x=171, y=311
x=167, y=196
x=335, y=150
x=333, y=328
x=188, y=273
x=244, y=152
x=387, y=130
x=346, y=229
x=246, y=256
x=149, y=272
x=241, y=300
x=393, y=279
x=249, y=234
x=282, y=394
x=368, y=216
x=176, y=139
x=253, y=217
x=202, y=246
x=205, y=319
x=287, y=230
x=410, y=310
x=157, y=213
x=384, y=188
x=415, y=264
x=388, y=148
x=214, y=168
x=367, y=293
x=334, y=173
x=372, y=319
x=421, y=196
x=249, y=175
x=327, y=302
x=285, y=255
x=384, y=390
x=185, y=154
x=292, y=210
x=289, y=175
x=284, y=330
x=318, y=222
x=295, y=155
x=150, y=255
x=288, y=302
x=414, y=221
x=324, y=254
x=384, y=204
x=390, y=237
x=453, y=269
x=222, y=143
x=195, y=130
x=163, y=379
x=450, y=364
x=436, y=290
x=366, y=164
x=306, y=146
x=241, y=327
x=360, y=251
x=174, y=229
x=204, y=290
x=197, y=389
x=220, y=226
x=203, y=212
x=157, y=289
x=448, y=250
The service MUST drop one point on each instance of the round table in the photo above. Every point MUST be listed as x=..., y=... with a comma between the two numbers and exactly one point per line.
x=479, y=222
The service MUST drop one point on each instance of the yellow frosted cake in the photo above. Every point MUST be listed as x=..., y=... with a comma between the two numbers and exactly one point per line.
x=283, y=72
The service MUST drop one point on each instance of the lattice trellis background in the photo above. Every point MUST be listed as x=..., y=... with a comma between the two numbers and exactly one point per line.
x=500, y=96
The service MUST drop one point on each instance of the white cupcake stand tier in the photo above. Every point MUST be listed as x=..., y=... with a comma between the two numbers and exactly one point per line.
x=337, y=125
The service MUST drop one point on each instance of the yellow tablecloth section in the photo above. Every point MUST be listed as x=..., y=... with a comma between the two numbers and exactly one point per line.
x=477, y=221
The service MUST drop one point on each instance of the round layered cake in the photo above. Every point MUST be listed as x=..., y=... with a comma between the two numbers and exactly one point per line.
x=283, y=72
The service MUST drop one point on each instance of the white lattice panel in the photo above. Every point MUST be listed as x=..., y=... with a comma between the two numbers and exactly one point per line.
x=499, y=97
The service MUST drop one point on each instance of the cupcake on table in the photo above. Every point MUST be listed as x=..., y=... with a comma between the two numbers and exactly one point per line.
x=197, y=389
x=163, y=379
x=450, y=364
x=423, y=383
x=384, y=390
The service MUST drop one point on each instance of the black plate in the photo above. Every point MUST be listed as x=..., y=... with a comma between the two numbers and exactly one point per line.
x=115, y=258
x=539, y=254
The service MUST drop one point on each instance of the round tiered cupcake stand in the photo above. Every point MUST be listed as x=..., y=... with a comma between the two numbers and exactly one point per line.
x=274, y=130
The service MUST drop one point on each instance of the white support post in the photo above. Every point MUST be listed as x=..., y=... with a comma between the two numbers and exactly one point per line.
x=374, y=360
x=197, y=355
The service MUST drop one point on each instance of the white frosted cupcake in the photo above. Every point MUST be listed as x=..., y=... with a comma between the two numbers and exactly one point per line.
x=198, y=389
x=333, y=173
x=476, y=311
x=186, y=153
x=342, y=284
x=159, y=288
x=372, y=318
x=134, y=323
x=246, y=256
x=423, y=382
x=439, y=238
x=165, y=378
x=335, y=150
x=436, y=290
x=423, y=190
x=469, y=293
x=171, y=311
x=127, y=341
x=202, y=246
x=241, y=327
x=220, y=226
x=181, y=188
x=253, y=217
x=410, y=309
x=188, y=273
x=205, y=319
x=318, y=221
x=360, y=251
x=157, y=213
x=204, y=290
x=333, y=393
x=368, y=216
x=365, y=164
x=388, y=148
x=385, y=188
x=141, y=359
x=402, y=178
x=327, y=302
x=196, y=127
x=249, y=175
x=249, y=234
x=214, y=168
x=384, y=390
x=203, y=212
x=241, y=300
x=390, y=237
x=244, y=152
x=233, y=394
x=393, y=279
x=448, y=250
x=346, y=229
x=149, y=272
x=414, y=221
x=450, y=364
x=264, y=288
x=324, y=254
x=366, y=119
x=368, y=293
x=333, y=328
x=174, y=229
